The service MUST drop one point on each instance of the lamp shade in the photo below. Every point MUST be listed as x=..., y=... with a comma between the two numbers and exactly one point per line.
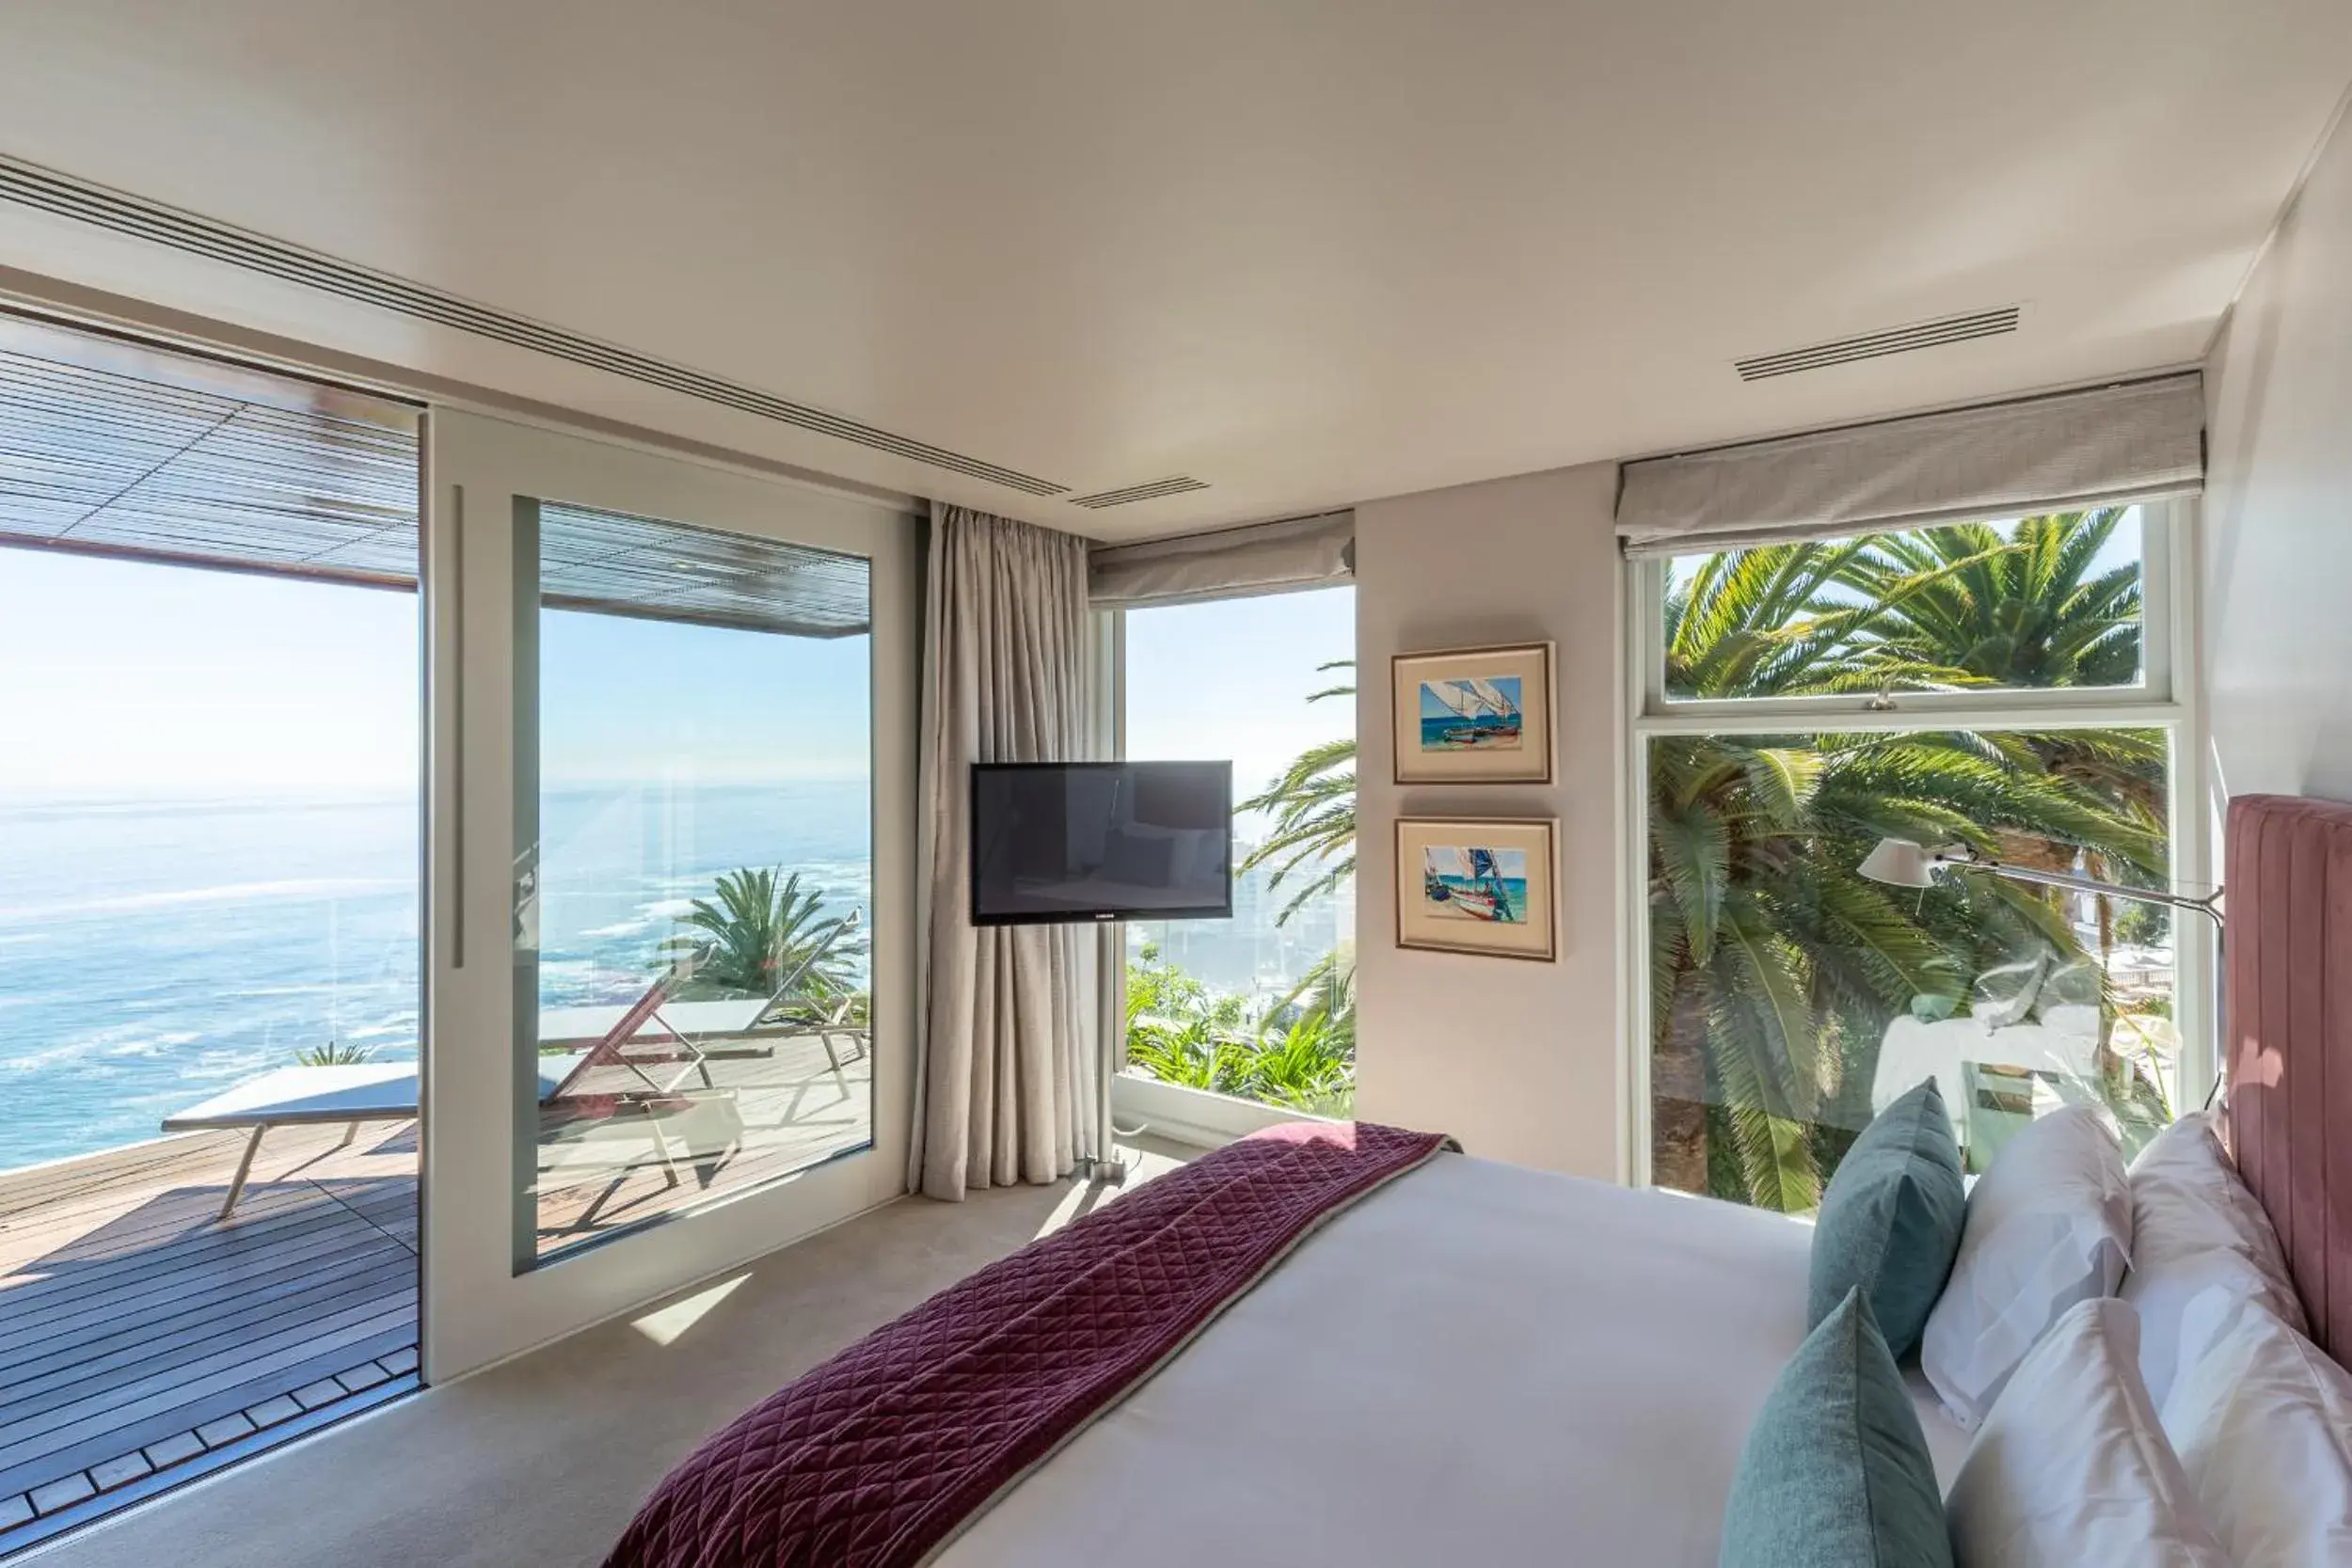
x=1900, y=863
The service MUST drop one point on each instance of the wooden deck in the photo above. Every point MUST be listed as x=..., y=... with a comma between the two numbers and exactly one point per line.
x=144, y=1341
x=776, y=1104
x=140, y=1335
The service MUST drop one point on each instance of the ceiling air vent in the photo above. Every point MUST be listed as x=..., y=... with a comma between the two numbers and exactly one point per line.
x=1902, y=339
x=1150, y=490
x=125, y=214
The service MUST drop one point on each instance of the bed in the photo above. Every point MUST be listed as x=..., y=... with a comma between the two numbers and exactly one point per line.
x=1501, y=1364
x=1442, y=1359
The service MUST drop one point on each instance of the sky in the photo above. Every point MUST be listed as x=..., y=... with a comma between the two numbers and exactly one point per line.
x=121, y=679
x=1231, y=679
x=620, y=695
x=124, y=679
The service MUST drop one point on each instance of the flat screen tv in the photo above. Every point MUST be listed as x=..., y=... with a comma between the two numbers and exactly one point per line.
x=1088, y=841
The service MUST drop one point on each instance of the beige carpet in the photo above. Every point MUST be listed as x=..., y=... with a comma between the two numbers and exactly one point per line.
x=543, y=1461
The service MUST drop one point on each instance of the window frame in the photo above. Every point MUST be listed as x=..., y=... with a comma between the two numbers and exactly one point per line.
x=2159, y=635
x=2168, y=697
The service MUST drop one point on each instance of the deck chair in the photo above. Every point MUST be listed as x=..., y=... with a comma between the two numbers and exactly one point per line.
x=659, y=1094
x=355, y=1093
x=833, y=1024
x=719, y=1030
x=640, y=1087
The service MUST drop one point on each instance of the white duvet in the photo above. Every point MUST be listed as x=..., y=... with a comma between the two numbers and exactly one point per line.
x=1479, y=1365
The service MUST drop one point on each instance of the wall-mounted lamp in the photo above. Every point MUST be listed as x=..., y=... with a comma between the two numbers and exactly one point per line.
x=1900, y=863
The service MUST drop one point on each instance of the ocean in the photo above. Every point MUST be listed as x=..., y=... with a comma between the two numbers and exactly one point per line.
x=155, y=952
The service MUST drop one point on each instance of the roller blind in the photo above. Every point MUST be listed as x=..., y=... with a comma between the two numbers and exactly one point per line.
x=1269, y=558
x=2109, y=445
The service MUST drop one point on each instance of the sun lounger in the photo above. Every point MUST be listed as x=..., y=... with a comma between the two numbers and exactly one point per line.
x=353, y=1093
x=630, y=1043
x=702, y=1022
x=299, y=1096
x=709, y=1024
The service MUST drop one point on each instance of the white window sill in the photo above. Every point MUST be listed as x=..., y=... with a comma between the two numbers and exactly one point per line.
x=1194, y=1117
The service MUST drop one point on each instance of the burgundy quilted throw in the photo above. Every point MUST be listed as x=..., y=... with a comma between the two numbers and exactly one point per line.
x=881, y=1455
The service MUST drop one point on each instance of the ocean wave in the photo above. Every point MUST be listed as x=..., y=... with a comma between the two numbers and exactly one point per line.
x=225, y=893
x=97, y=1050
x=620, y=928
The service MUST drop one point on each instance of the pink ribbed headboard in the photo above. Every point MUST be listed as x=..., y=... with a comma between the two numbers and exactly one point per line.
x=2288, y=1033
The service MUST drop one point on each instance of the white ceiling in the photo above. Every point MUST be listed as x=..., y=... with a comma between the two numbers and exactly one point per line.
x=1311, y=251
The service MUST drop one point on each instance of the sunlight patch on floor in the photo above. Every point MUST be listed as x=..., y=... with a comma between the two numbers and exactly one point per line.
x=663, y=1326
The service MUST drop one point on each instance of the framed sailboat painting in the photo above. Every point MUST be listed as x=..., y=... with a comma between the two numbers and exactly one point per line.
x=1485, y=885
x=1473, y=715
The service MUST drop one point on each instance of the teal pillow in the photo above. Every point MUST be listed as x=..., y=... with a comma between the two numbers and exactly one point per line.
x=1836, y=1472
x=1890, y=1220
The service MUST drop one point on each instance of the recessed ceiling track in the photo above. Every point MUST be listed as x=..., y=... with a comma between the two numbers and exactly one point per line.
x=1150, y=490
x=1901, y=340
x=52, y=192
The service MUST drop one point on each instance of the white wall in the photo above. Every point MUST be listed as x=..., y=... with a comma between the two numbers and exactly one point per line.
x=2278, y=584
x=1518, y=1060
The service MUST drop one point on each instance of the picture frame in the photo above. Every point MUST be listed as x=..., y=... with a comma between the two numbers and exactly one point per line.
x=1482, y=885
x=1472, y=715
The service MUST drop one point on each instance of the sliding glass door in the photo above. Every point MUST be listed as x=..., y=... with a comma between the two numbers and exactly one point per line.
x=692, y=802
x=674, y=730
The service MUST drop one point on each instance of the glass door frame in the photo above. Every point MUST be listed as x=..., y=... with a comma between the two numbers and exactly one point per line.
x=479, y=1308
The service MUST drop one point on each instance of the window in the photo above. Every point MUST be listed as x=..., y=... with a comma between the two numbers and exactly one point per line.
x=2003, y=685
x=2044, y=603
x=698, y=916
x=1261, y=1006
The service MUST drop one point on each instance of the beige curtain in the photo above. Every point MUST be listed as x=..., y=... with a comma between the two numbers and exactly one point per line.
x=1006, y=1070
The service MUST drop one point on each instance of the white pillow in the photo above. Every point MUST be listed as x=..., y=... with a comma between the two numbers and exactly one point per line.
x=2050, y=1224
x=2263, y=1429
x=2187, y=1305
x=2072, y=1468
x=2186, y=1196
x=2202, y=1251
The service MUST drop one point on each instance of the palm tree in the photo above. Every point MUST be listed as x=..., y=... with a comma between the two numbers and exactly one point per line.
x=2028, y=610
x=1314, y=803
x=757, y=934
x=2020, y=609
x=1774, y=964
x=1326, y=994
